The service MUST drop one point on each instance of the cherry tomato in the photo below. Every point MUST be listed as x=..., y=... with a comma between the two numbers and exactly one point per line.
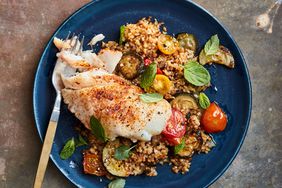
x=147, y=61
x=92, y=164
x=167, y=44
x=159, y=71
x=214, y=119
x=161, y=84
x=175, y=126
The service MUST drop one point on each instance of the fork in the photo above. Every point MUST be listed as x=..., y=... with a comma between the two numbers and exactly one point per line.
x=60, y=67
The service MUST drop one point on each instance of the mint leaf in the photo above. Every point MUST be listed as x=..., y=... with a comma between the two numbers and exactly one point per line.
x=212, y=46
x=151, y=97
x=179, y=147
x=117, y=183
x=123, y=152
x=147, y=78
x=97, y=129
x=196, y=74
x=80, y=141
x=204, y=101
x=68, y=149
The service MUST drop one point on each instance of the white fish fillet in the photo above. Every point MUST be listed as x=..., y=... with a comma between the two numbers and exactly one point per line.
x=116, y=104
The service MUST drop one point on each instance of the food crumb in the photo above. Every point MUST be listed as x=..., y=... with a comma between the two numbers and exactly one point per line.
x=270, y=109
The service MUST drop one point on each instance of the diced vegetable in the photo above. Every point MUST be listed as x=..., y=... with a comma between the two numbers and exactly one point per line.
x=159, y=71
x=214, y=119
x=130, y=65
x=180, y=146
x=161, y=84
x=184, y=103
x=121, y=35
x=175, y=126
x=222, y=56
x=167, y=44
x=92, y=164
x=187, y=41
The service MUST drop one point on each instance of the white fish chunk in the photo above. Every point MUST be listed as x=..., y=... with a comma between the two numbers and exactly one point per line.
x=96, y=39
x=110, y=58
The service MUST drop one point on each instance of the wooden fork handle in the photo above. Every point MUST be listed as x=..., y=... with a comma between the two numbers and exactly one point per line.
x=47, y=145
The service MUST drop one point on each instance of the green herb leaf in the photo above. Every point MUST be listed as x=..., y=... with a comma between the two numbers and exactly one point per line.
x=121, y=36
x=123, y=152
x=117, y=183
x=212, y=46
x=68, y=149
x=147, y=78
x=97, y=129
x=80, y=141
x=179, y=147
x=204, y=101
x=196, y=74
x=151, y=97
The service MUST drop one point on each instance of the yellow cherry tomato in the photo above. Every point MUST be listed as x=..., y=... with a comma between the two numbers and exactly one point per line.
x=161, y=84
x=167, y=44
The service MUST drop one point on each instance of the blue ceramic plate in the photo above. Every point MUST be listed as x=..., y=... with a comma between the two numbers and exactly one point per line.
x=233, y=87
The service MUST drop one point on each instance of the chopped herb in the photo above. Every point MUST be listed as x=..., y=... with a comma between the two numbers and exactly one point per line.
x=179, y=147
x=204, y=101
x=97, y=129
x=117, y=183
x=147, y=78
x=151, y=97
x=123, y=152
x=68, y=149
x=80, y=141
x=212, y=46
x=196, y=74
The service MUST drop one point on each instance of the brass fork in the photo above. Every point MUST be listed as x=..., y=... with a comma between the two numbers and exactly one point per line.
x=60, y=67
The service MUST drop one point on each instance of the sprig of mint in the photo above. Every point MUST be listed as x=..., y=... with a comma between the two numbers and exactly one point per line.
x=123, y=152
x=212, y=46
x=97, y=129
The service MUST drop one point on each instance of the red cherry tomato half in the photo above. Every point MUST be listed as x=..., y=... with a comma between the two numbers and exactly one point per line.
x=159, y=71
x=175, y=126
x=214, y=119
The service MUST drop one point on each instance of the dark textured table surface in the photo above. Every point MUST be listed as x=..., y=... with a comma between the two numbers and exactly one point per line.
x=25, y=27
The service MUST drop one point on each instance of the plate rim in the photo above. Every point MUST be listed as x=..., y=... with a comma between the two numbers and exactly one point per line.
x=39, y=66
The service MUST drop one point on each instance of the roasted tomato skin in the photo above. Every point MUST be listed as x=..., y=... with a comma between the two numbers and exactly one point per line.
x=175, y=127
x=92, y=164
x=173, y=141
x=214, y=120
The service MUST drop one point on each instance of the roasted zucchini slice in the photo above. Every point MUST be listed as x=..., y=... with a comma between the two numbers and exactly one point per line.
x=130, y=66
x=184, y=103
x=121, y=168
x=187, y=41
x=223, y=57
